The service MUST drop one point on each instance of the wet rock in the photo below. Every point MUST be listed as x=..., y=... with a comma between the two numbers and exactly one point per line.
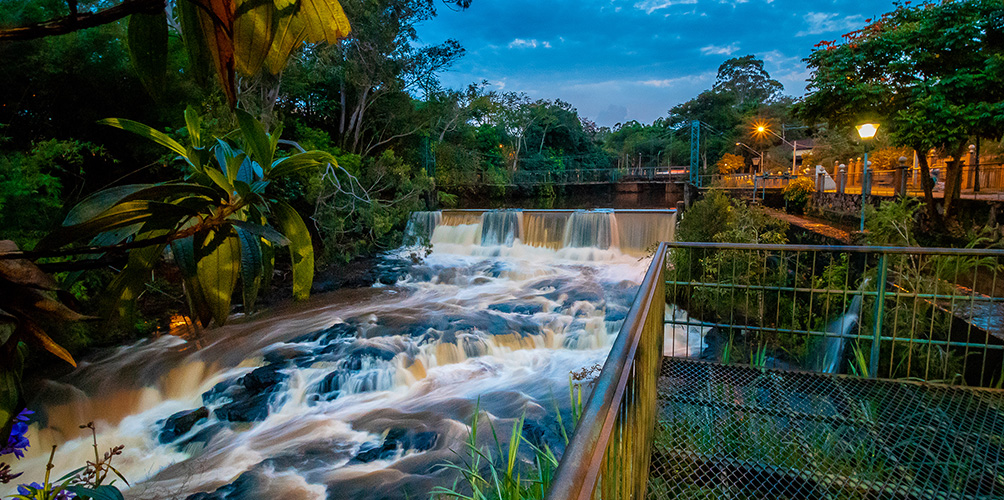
x=615, y=313
x=180, y=423
x=447, y=276
x=224, y=389
x=518, y=307
x=398, y=439
x=264, y=379
x=245, y=487
x=333, y=333
x=252, y=408
x=204, y=436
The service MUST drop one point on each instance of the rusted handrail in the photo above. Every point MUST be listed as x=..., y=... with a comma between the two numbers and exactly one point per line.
x=623, y=400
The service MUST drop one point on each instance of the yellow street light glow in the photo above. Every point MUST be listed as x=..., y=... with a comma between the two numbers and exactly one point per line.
x=867, y=130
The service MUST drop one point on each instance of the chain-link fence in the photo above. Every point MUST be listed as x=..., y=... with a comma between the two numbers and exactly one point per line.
x=741, y=432
x=767, y=414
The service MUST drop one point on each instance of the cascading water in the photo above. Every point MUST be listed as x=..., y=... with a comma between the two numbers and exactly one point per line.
x=365, y=393
x=830, y=352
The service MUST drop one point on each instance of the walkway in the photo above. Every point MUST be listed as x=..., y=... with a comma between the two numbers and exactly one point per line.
x=741, y=433
x=810, y=225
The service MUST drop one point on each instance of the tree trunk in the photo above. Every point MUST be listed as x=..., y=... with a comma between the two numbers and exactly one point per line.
x=953, y=184
x=928, y=184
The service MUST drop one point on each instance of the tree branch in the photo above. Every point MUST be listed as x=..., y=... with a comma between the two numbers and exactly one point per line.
x=79, y=21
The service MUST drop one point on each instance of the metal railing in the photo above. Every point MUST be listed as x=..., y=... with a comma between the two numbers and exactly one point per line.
x=608, y=457
x=561, y=177
x=919, y=313
x=893, y=312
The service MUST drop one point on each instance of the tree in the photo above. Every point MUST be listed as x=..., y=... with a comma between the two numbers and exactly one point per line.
x=730, y=163
x=934, y=74
x=233, y=37
x=745, y=78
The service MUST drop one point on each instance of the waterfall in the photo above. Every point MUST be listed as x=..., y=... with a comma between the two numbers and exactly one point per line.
x=420, y=227
x=501, y=227
x=829, y=355
x=594, y=228
x=631, y=232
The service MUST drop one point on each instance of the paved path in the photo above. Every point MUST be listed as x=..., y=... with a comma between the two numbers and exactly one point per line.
x=811, y=225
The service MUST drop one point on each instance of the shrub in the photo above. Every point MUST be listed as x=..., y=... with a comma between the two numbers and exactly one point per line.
x=797, y=193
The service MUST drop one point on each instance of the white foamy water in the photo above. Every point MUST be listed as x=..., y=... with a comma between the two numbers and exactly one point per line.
x=366, y=393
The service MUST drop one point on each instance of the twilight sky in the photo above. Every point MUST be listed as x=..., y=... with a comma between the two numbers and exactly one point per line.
x=619, y=60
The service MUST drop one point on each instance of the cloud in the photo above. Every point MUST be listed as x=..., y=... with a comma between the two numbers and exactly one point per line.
x=683, y=80
x=720, y=50
x=521, y=43
x=650, y=6
x=823, y=22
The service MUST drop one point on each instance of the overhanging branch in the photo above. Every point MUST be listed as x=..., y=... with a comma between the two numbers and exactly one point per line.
x=79, y=21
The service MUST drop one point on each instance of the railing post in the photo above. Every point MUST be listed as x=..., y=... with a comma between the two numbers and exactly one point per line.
x=879, y=312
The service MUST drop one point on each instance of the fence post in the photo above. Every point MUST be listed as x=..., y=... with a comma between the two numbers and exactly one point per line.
x=879, y=312
x=900, y=182
x=841, y=178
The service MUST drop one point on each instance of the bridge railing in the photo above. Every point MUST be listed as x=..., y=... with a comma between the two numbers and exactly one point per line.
x=608, y=457
x=921, y=313
x=559, y=177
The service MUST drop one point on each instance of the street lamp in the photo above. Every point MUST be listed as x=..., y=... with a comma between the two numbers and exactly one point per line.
x=867, y=132
x=754, y=152
x=762, y=129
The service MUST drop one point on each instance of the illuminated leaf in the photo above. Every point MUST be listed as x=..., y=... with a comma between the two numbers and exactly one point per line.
x=148, y=49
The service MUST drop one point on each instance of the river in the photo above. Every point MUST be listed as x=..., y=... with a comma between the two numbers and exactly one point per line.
x=365, y=394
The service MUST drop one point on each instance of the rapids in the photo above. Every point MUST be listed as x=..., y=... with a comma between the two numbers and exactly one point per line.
x=365, y=394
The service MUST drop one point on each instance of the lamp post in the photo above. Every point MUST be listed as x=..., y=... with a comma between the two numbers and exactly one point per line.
x=794, y=145
x=867, y=132
x=760, y=153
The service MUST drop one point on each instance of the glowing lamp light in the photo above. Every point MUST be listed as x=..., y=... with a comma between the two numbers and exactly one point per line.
x=867, y=130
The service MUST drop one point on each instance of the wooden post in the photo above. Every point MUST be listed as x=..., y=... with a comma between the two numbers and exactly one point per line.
x=899, y=181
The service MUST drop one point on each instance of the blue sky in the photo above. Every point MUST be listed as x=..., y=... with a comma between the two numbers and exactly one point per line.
x=619, y=60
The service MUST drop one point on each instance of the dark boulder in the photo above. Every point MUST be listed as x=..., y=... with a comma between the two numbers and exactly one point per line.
x=246, y=408
x=180, y=423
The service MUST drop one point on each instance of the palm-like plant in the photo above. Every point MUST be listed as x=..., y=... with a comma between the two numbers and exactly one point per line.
x=220, y=222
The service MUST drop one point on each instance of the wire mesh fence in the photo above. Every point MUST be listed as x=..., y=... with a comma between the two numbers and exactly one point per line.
x=923, y=313
x=742, y=432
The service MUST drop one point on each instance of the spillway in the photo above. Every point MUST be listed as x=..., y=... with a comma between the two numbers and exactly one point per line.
x=365, y=393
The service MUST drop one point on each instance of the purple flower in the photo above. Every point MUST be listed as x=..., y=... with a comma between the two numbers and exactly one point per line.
x=28, y=489
x=65, y=495
x=16, y=442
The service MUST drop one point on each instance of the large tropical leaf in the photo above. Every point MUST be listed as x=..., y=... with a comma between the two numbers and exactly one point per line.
x=255, y=138
x=251, y=267
x=22, y=271
x=129, y=284
x=300, y=21
x=218, y=265
x=124, y=214
x=148, y=49
x=37, y=336
x=298, y=162
x=301, y=249
x=196, y=42
x=100, y=201
x=147, y=132
x=264, y=231
x=254, y=28
x=184, y=256
x=102, y=492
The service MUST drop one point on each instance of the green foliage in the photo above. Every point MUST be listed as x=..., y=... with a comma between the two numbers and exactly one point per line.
x=30, y=303
x=364, y=206
x=220, y=220
x=932, y=73
x=797, y=193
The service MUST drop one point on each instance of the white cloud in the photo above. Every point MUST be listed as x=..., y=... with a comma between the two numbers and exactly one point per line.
x=683, y=80
x=650, y=6
x=719, y=50
x=818, y=23
x=521, y=43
